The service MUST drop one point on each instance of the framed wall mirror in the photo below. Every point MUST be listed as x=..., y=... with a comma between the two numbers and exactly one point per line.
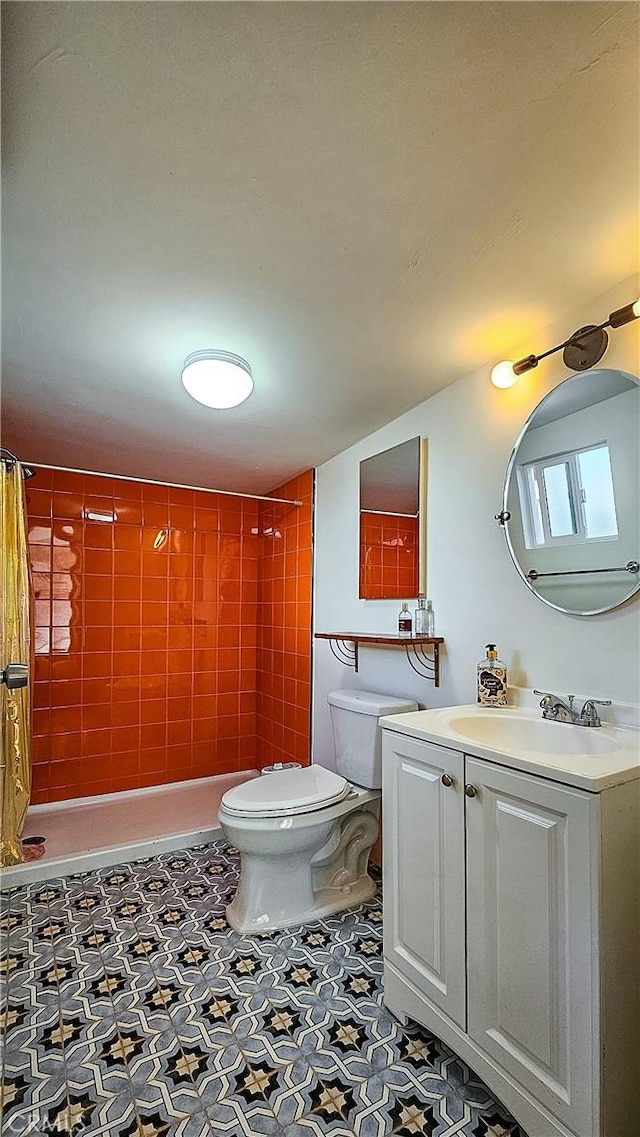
x=393, y=522
x=572, y=494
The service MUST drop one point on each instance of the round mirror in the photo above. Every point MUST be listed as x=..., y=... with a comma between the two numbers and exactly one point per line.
x=571, y=494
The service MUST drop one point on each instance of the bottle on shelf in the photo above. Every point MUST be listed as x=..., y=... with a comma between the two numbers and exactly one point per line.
x=404, y=621
x=424, y=621
x=492, y=680
x=431, y=620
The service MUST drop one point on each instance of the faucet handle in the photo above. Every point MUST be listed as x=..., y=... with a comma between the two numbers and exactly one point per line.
x=546, y=695
x=589, y=715
x=546, y=703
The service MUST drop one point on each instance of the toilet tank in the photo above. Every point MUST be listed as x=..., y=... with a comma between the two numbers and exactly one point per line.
x=357, y=736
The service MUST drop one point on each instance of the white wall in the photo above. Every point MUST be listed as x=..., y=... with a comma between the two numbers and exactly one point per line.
x=477, y=594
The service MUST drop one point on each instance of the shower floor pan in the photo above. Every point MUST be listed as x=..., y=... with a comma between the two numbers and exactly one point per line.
x=94, y=832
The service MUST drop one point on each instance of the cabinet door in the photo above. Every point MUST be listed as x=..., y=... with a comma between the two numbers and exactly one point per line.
x=532, y=937
x=423, y=823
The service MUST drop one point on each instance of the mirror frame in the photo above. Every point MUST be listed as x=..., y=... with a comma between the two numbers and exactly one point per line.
x=422, y=517
x=423, y=456
x=505, y=517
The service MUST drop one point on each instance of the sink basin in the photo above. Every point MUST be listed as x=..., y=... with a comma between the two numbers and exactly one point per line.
x=588, y=758
x=518, y=734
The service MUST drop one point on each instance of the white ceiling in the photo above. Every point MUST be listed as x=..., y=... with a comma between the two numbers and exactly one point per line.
x=365, y=200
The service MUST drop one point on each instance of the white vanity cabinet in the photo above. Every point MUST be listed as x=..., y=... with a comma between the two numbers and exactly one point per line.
x=512, y=931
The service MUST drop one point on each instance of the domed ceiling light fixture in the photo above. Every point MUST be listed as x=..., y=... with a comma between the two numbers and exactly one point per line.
x=217, y=379
x=580, y=352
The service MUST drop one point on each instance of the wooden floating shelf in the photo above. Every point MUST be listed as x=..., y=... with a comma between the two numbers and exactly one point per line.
x=375, y=638
x=344, y=646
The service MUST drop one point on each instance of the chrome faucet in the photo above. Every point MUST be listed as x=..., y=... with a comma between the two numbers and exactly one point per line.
x=555, y=708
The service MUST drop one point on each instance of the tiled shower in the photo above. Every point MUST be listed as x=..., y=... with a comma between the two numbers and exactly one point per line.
x=172, y=632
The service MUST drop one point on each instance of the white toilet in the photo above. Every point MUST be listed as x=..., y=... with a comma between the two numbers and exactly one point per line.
x=304, y=836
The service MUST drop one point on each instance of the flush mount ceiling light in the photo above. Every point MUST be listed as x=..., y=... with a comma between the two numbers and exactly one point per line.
x=217, y=378
x=580, y=352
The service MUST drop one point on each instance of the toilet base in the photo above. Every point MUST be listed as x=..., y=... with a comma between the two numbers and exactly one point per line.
x=326, y=902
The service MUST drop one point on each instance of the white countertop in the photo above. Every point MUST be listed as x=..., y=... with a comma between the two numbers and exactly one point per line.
x=585, y=769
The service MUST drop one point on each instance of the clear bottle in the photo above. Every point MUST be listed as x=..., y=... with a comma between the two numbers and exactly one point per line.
x=404, y=621
x=424, y=620
x=492, y=679
x=430, y=620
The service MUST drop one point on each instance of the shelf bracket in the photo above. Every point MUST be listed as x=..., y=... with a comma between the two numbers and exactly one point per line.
x=427, y=667
x=346, y=652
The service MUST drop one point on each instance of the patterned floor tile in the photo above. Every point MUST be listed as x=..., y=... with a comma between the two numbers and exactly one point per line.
x=319, y=1124
x=147, y=1123
x=26, y=1111
x=131, y=1009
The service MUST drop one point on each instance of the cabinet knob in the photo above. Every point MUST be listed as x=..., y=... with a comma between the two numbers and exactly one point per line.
x=446, y=780
x=470, y=791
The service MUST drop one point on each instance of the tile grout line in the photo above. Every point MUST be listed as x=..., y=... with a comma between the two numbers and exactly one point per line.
x=81, y=879
x=117, y=1019
x=205, y=982
x=247, y=1057
x=166, y=1010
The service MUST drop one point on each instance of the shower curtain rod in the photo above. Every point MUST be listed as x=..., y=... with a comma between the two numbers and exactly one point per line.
x=152, y=482
x=11, y=459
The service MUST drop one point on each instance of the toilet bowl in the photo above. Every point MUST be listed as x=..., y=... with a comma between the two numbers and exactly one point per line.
x=304, y=836
x=291, y=871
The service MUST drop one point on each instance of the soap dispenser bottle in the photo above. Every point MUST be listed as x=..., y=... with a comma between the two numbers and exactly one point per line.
x=404, y=621
x=492, y=680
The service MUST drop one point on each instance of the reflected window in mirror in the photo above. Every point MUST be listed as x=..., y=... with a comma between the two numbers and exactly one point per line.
x=568, y=498
x=392, y=518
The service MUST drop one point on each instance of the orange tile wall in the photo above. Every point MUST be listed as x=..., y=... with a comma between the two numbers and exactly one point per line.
x=388, y=557
x=146, y=634
x=284, y=622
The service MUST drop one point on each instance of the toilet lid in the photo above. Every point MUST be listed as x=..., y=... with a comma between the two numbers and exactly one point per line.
x=287, y=791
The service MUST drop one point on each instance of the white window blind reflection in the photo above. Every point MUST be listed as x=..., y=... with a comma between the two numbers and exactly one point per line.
x=559, y=503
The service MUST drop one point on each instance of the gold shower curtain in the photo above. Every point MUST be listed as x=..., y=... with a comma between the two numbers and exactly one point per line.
x=15, y=641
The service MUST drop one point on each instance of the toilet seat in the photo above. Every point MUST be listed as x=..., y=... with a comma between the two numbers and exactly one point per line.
x=286, y=792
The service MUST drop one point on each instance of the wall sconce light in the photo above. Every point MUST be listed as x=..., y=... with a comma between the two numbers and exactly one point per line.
x=581, y=351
